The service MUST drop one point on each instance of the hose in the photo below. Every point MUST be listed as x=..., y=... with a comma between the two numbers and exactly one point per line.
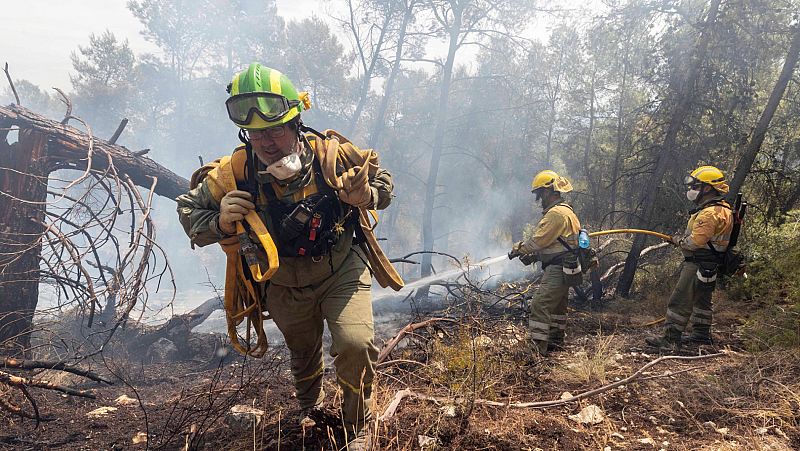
x=644, y=232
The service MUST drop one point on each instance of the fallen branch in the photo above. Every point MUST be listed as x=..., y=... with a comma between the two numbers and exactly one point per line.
x=18, y=381
x=411, y=327
x=633, y=377
x=390, y=410
x=10, y=362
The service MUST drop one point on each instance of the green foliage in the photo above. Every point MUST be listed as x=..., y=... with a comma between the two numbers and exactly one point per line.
x=453, y=363
x=773, y=285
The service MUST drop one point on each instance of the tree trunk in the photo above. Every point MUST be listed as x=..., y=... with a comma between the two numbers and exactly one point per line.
x=620, y=125
x=587, y=149
x=666, y=155
x=438, y=143
x=743, y=168
x=553, y=101
x=380, y=116
x=23, y=185
x=45, y=145
x=370, y=70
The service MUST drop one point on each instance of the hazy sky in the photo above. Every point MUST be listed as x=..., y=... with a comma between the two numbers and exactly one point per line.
x=36, y=42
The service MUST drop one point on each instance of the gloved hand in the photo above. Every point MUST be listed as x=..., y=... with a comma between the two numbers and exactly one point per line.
x=676, y=239
x=514, y=252
x=233, y=207
x=355, y=188
x=528, y=259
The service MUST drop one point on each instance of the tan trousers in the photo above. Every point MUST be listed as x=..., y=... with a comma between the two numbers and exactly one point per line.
x=343, y=301
x=547, y=318
x=690, y=299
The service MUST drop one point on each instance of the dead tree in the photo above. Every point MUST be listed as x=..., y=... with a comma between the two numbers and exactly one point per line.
x=62, y=194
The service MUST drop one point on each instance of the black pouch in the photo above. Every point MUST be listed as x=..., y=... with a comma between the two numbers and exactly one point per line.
x=707, y=275
x=571, y=266
x=733, y=263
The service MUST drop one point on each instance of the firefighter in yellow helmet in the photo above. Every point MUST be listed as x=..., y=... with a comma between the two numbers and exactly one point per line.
x=310, y=203
x=702, y=244
x=554, y=235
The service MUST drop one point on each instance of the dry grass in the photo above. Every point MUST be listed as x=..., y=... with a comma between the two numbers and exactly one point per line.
x=591, y=362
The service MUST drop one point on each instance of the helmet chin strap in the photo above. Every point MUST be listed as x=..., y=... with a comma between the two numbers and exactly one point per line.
x=303, y=128
x=252, y=185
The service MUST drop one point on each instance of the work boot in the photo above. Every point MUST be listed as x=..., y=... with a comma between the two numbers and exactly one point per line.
x=699, y=339
x=540, y=347
x=701, y=335
x=362, y=440
x=309, y=416
x=669, y=343
x=555, y=345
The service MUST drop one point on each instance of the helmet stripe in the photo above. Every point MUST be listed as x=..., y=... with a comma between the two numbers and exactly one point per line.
x=275, y=82
x=235, y=85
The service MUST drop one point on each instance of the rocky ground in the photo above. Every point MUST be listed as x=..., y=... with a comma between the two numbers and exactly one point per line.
x=453, y=373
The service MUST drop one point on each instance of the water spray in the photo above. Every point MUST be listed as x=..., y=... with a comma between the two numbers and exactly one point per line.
x=453, y=273
x=449, y=274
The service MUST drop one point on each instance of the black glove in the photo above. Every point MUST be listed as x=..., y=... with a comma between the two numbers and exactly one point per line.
x=514, y=252
x=528, y=259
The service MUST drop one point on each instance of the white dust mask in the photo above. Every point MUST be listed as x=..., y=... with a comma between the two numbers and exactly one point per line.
x=286, y=168
x=692, y=194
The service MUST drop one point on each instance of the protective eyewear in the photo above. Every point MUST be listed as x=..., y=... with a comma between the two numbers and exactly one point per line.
x=272, y=132
x=270, y=107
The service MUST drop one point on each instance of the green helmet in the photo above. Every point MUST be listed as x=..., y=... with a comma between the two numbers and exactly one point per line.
x=262, y=97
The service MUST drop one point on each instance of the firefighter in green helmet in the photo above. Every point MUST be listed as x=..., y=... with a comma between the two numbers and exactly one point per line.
x=309, y=203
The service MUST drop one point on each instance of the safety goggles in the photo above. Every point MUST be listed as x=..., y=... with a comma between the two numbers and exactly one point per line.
x=692, y=183
x=270, y=107
x=539, y=192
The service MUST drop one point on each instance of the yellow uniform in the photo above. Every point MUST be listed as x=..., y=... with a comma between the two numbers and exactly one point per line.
x=548, y=310
x=711, y=224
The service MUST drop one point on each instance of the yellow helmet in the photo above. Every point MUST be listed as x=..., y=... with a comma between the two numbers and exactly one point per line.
x=550, y=179
x=709, y=175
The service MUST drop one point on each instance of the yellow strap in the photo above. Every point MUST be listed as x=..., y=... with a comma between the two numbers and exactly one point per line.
x=242, y=300
x=267, y=243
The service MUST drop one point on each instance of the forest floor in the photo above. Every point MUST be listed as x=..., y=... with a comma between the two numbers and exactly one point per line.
x=736, y=400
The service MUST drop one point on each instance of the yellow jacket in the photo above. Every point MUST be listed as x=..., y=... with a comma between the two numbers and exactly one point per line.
x=712, y=223
x=558, y=220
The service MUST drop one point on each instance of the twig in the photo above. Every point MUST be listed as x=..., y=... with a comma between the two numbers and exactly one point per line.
x=65, y=100
x=644, y=252
x=13, y=89
x=391, y=409
x=118, y=131
x=411, y=327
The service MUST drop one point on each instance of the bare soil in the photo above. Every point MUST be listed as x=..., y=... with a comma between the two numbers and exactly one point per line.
x=737, y=401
